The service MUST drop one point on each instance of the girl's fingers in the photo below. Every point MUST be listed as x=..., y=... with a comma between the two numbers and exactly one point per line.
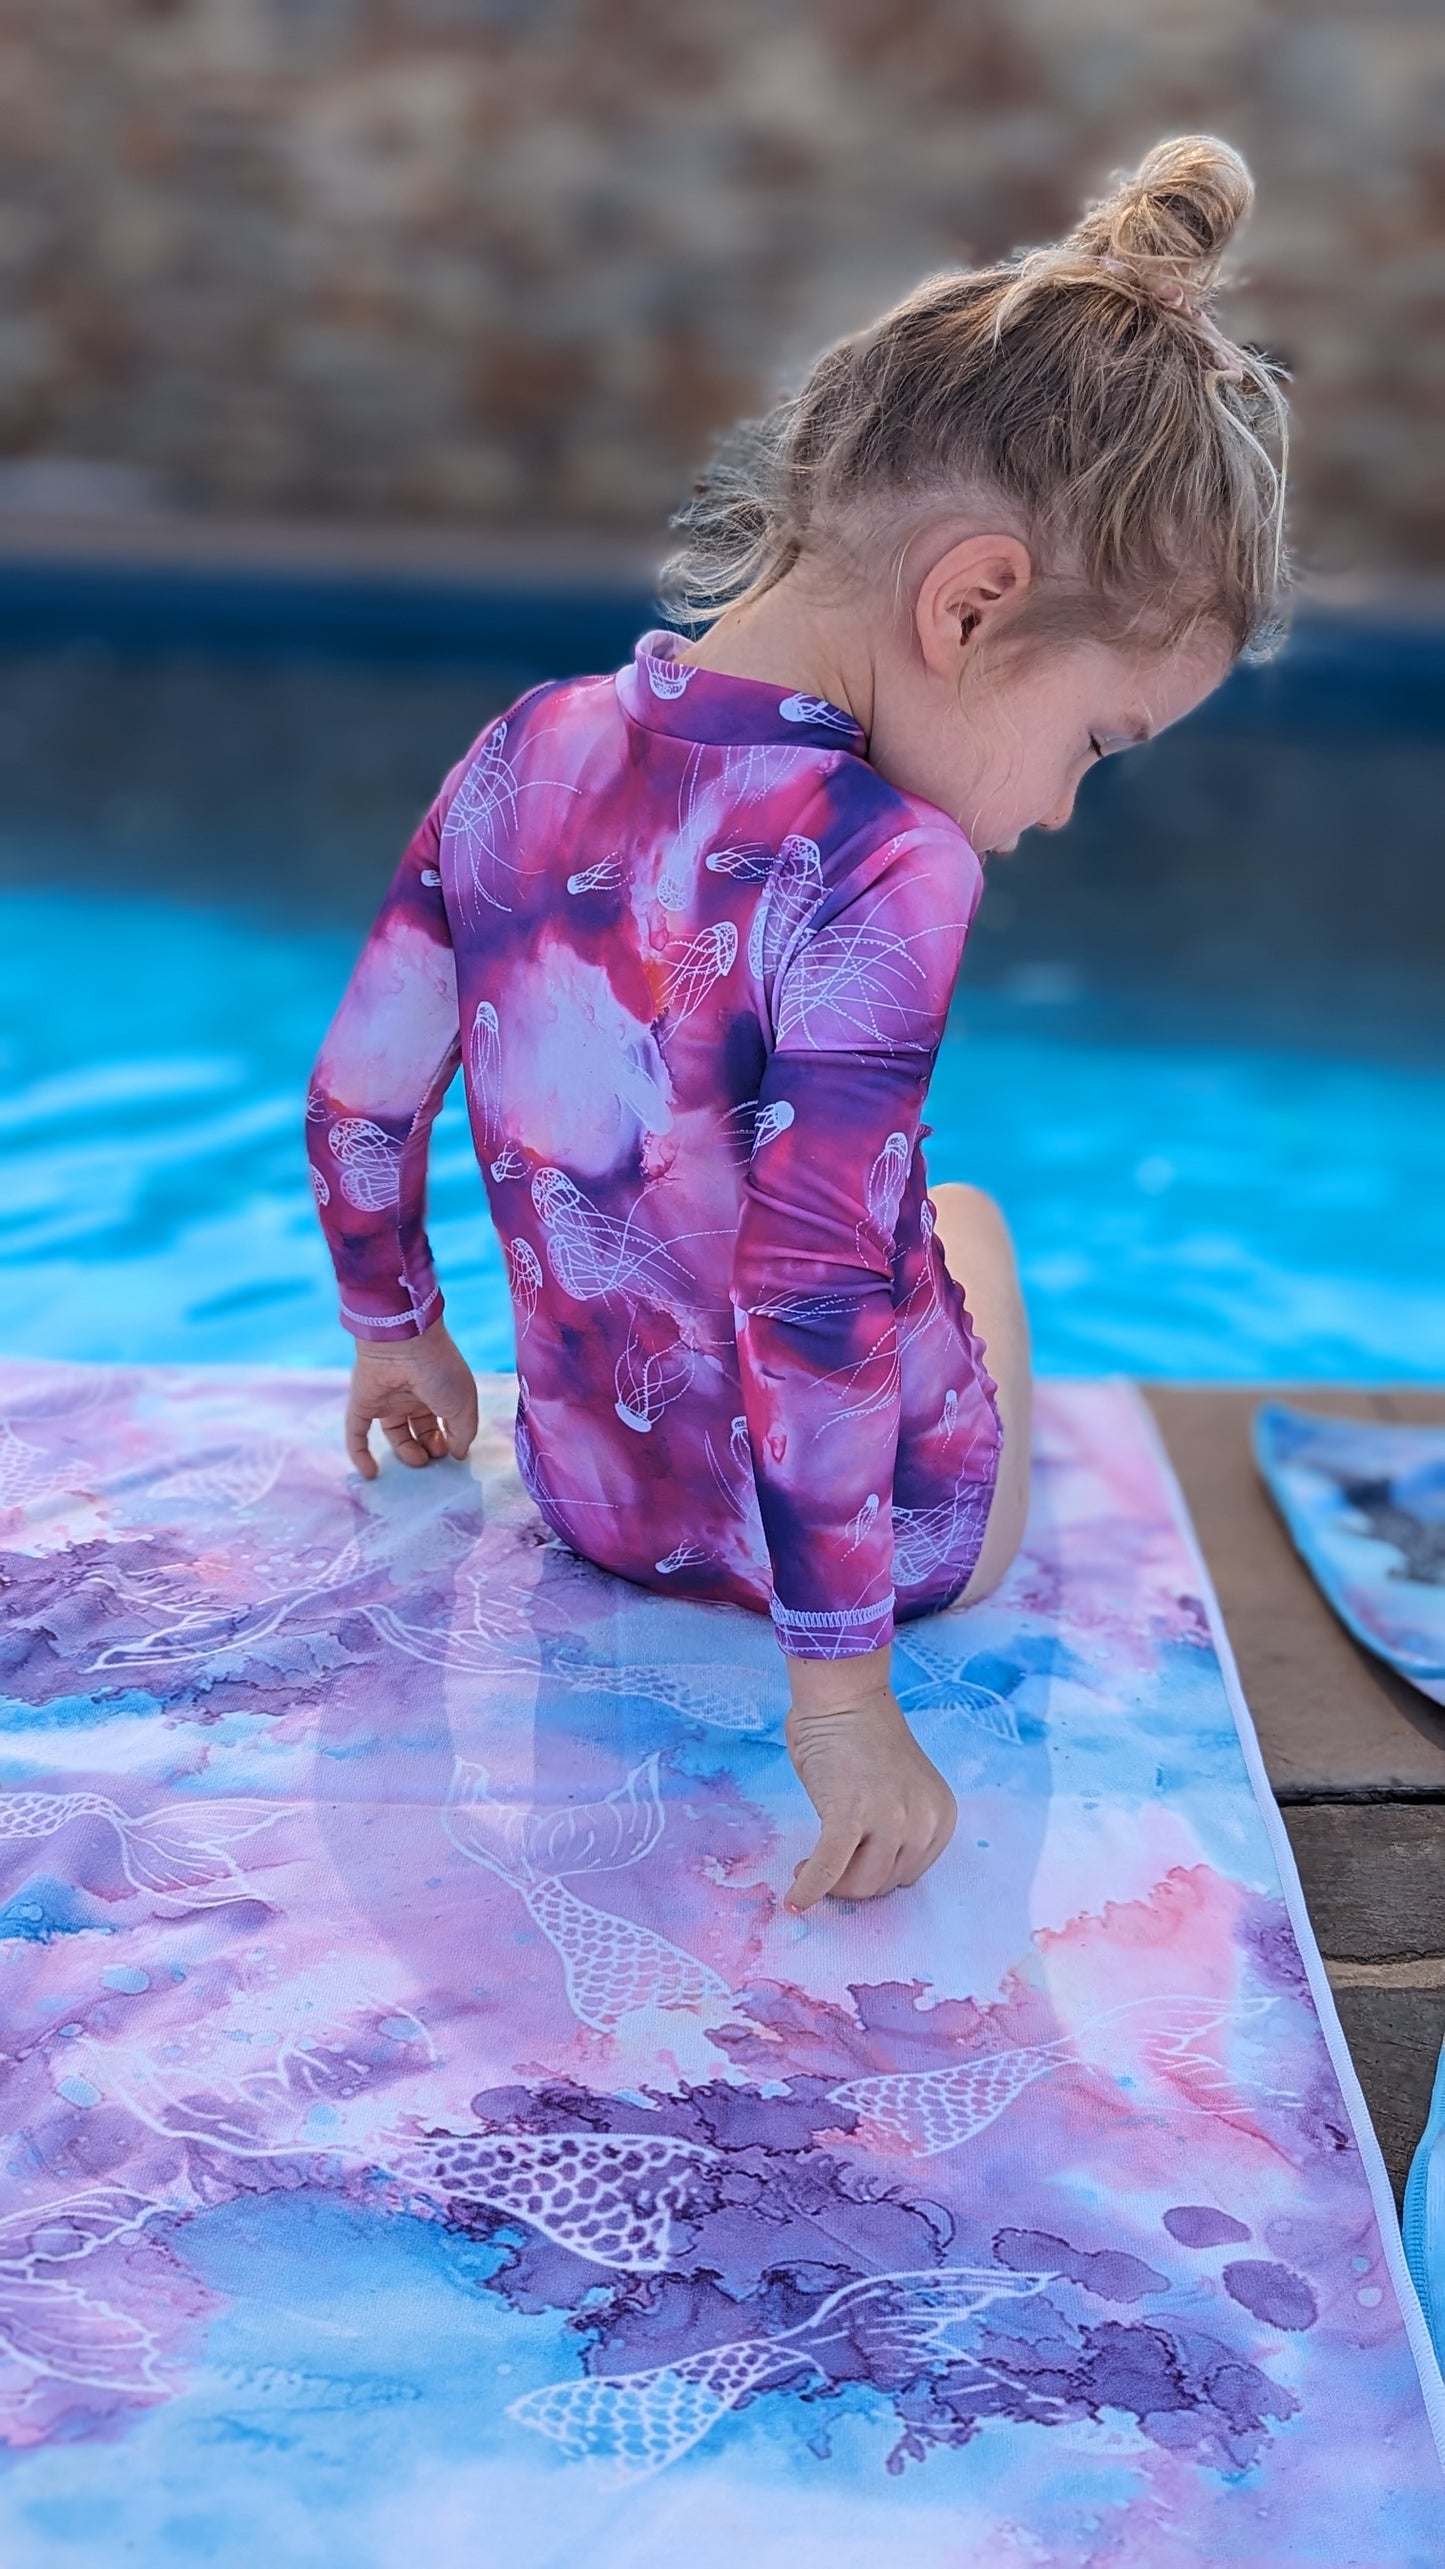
x=462, y=1425
x=873, y=1871
x=405, y=1437
x=358, y=1448
x=829, y=1861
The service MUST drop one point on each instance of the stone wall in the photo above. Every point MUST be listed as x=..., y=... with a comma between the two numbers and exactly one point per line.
x=510, y=261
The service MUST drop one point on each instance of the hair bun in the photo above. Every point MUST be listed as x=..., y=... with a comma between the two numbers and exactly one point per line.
x=1172, y=220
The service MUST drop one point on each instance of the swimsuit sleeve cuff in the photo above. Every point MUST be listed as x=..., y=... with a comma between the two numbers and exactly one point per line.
x=847, y=1633
x=379, y=1328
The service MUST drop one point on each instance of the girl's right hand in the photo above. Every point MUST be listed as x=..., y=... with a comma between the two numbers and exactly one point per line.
x=422, y=1395
x=886, y=1812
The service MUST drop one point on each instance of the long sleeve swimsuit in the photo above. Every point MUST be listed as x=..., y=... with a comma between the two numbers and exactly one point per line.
x=695, y=956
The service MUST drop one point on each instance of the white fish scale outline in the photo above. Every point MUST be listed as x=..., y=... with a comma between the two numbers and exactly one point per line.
x=612, y=1967
x=615, y=2198
x=730, y=1697
x=638, y=2423
x=25, y=1470
x=930, y=2111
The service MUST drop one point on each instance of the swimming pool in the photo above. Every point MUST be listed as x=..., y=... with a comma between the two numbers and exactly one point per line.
x=1195, y=1054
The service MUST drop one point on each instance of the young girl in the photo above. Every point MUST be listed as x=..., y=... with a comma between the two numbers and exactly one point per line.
x=693, y=931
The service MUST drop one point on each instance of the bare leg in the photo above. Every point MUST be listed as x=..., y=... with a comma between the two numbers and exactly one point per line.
x=980, y=1257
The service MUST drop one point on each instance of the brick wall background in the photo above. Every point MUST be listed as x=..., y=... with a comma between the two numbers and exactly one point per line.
x=509, y=261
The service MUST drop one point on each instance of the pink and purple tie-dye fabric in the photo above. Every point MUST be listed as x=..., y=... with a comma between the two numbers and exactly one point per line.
x=694, y=957
x=428, y=2132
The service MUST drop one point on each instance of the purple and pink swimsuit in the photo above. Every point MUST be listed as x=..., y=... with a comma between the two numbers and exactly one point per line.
x=695, y=957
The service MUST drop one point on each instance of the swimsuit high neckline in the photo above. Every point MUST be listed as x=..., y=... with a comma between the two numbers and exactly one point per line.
x=666, y=694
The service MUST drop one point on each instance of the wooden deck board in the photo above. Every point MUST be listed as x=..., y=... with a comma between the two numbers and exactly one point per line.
x=1356, y=1756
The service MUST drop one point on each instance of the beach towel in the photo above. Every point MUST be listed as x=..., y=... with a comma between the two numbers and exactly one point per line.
x=430, y=2139
x=1365, y=1504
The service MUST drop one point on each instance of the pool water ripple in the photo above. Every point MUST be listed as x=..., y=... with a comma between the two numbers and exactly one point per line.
x=1213, y=1214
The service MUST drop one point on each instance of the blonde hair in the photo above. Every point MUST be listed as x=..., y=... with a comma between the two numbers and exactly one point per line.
x=1085, y=388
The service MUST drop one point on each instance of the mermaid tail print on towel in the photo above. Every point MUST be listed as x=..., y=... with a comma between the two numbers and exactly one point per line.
x=48, y=2322
x=638, y=2423
x=620, y=2199
x=926, y=2112
x=180, y=1852
x=191, y=1634
x=727, y=1697
x=611, y=1966
x=943, y=1687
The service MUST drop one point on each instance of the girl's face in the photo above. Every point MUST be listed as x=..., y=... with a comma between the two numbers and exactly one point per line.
x=1004, y=752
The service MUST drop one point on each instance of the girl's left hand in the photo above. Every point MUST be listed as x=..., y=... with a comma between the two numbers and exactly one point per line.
x=422, y=1396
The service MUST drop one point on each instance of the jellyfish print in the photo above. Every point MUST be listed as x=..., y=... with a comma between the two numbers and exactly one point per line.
x=589, y=1252
x=482, y=825
x=604, y=876
x=794, y=891
x=707, y=959
x=484, y=1066
x=887, y=1179
x=524, y=1275
x=774, y=1118
x=864, y=1522
x=817, y=710
x=926, y=1539
x=319, y=1189
x=750, y=863
x=647, y=1380
x=854, y=983
x=683, y=1556
x=369, y=1161
x=668, y=679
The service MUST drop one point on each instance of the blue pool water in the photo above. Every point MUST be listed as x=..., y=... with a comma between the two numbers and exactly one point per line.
x=1186, y=1207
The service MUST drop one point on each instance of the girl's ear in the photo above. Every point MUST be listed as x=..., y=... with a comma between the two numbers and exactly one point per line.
x=978, y=580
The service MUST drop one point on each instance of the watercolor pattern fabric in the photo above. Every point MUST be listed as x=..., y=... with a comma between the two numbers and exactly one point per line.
x=1364, y=1501
x=421, y=2111
x=695, y=957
